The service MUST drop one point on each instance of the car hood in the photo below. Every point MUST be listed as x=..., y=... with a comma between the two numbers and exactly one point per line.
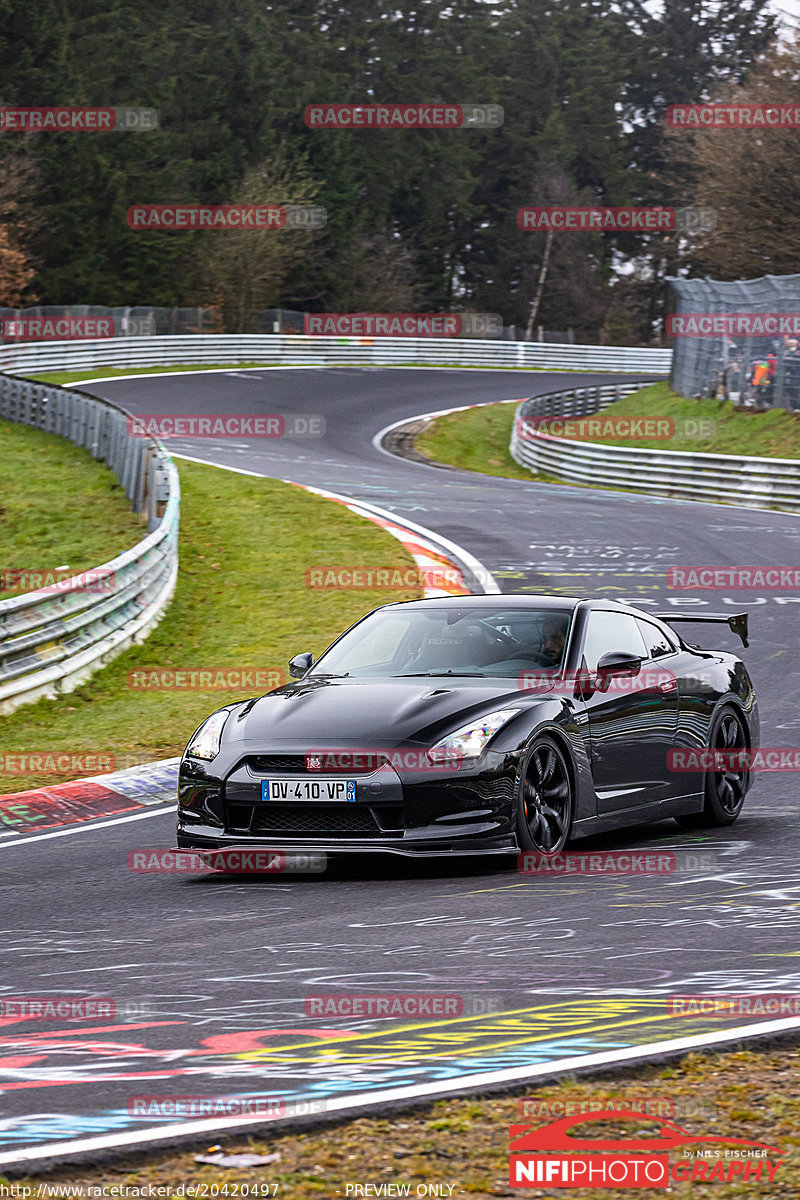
x=368, y=713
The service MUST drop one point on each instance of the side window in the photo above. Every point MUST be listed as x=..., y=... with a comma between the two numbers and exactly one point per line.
x=656, y=641
x=608, y=631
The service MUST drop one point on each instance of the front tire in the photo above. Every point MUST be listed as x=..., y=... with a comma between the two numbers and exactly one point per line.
x=544, y=814
x=724, y=790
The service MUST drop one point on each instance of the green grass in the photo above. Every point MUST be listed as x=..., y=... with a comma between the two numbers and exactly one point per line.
x=771, y=434
x=65, y=377
x=241, y=601
x=58, y=505
x=465, y=1142
x=477, y=439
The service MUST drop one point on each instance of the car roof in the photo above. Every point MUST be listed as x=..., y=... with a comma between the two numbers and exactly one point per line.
x=513, y=600
x=505, y=602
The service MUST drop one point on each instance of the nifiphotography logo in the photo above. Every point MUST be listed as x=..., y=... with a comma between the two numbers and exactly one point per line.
x=641, y=1160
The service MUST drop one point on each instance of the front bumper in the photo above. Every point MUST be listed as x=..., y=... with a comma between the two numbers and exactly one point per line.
x=433, y=813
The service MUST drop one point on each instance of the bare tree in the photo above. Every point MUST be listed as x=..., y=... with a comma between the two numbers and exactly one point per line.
x=750, y=178
x=246, y=268
x=16, y=271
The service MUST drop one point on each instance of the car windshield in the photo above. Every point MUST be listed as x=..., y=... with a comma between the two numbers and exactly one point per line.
x=449, y=641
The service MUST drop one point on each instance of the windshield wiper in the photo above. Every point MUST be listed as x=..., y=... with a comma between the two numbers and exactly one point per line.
x=442, y=675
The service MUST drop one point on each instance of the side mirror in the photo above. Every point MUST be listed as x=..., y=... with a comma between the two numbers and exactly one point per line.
x=618, y=662
x=300, y=664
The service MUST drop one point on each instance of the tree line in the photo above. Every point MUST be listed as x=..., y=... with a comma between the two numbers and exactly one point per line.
x=418, y=220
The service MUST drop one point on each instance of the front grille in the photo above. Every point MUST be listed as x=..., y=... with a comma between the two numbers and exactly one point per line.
x=351, y=762
x=314, y=821
x=262, y=763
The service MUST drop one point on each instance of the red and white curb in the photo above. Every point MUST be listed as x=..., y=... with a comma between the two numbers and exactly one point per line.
x=430, y=550
x=52, y=806
x=441, y=576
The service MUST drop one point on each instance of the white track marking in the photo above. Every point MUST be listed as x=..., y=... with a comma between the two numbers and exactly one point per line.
x=87, y=827
x=414, y=1092
x=479, y=570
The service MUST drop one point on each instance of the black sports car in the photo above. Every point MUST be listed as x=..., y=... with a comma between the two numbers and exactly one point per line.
x=478, y=724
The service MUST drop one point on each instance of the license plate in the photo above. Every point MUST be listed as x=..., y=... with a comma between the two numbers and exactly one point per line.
x=308, y=789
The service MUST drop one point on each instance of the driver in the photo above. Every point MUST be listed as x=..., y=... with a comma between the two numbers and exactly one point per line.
x=554, y=635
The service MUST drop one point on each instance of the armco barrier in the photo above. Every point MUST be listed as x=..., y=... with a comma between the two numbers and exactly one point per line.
x=749, y=482
x=298, y=350
x=51, y=640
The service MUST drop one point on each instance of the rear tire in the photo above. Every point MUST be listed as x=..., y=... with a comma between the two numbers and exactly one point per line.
x=724, y=790
x=544, y=813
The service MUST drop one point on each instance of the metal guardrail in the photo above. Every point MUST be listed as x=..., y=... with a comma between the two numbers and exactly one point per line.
x=749, y=482
x=54, y=638
x=325, y=351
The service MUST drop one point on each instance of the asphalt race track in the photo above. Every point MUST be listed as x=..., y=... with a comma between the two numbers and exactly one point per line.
x=209, y=974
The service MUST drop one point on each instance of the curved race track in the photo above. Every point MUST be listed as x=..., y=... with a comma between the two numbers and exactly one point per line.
x=565, y=967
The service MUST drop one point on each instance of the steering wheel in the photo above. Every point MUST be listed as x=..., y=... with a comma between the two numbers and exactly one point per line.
x=505, y=639
x=539, y=661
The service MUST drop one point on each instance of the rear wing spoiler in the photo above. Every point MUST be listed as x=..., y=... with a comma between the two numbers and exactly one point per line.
x=736, y=621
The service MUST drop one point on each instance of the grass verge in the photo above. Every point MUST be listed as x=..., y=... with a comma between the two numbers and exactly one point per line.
x=463, y=1144
x=241, y=602
x=477, y=439
x=58, y=506
x=65, y=377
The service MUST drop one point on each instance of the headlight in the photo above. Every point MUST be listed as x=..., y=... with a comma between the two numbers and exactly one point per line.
x=205, y=743
x=470, y=741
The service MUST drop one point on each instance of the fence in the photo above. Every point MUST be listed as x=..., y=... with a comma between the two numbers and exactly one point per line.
x=755, y=370
x=148, y=321
x=750, y=482
x=53, y=638
x=325, y=351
